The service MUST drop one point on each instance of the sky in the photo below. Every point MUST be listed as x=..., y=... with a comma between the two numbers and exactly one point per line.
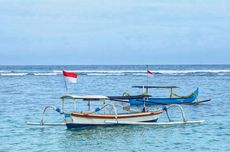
x=88, y=32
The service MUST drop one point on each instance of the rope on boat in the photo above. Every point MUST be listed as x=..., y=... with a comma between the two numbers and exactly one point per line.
x=175, y=105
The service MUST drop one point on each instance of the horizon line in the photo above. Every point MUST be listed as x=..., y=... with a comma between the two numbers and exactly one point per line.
x=108, y=64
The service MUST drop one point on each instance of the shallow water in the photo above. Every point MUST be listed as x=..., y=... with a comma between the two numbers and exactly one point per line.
x=25, y=90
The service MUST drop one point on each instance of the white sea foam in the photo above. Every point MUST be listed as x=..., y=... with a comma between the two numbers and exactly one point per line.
x=144, y=71
x=102, y=71
x=57, y=71
x=103, y=74
x=13, y=74
x=46, y=74
x=192, y=71
x=140, y=74
x=4, y=71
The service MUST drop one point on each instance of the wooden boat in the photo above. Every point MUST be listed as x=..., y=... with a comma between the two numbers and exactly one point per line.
x=95, y=118
x=84, y=120
x=172, y=99
x=92, y=118
x=101, y=116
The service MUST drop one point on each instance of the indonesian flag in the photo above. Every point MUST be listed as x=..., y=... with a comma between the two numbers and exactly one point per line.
x=149, y=72
x=70, y=76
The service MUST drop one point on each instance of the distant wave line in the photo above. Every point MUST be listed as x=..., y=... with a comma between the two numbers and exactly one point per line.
x=115, y=72
x=144, y=71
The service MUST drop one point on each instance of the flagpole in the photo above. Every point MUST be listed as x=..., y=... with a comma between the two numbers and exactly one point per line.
x=146, y=92
x=147, y=75
x=65, y=83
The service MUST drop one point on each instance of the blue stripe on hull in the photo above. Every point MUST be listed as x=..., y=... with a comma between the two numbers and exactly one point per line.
x=74, y=125
x=162, y=101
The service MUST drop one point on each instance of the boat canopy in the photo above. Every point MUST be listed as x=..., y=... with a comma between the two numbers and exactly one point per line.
x=156, y=87
x=88, y=97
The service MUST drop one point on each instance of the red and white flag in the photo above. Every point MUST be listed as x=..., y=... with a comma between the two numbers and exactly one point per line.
x=149, y=72
x=70, y=76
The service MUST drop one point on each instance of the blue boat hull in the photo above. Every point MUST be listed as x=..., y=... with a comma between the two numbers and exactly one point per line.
x=165, y=101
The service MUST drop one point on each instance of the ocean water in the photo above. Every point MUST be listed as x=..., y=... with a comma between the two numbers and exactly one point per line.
x=26, y=90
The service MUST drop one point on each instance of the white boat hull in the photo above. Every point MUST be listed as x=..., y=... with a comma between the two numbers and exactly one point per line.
x=76, y=120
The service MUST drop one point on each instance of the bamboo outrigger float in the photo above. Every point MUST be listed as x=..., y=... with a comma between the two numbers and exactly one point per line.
x=98, y=117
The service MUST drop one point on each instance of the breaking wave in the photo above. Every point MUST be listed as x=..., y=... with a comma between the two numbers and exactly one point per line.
x=13, y=74
x=117, y=72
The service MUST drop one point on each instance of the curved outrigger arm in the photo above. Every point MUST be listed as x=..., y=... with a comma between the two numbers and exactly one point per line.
x=175, y=105
x=41, y=123
x=53, y=108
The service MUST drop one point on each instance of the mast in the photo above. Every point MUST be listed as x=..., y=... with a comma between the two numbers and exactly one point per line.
x=146, y=89
x=147, y=68
x=65, y=82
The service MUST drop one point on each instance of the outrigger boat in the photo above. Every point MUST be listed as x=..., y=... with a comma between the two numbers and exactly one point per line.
x=107, y=114
x=172, y=99
x=147, y=99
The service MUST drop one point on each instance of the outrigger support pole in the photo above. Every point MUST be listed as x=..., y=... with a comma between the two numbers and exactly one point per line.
x=171, y=92
x=62, y=105
x=166, y=110
x=181, y=110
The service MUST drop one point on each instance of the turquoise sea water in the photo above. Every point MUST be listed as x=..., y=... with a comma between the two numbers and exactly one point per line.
x=26, y=90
